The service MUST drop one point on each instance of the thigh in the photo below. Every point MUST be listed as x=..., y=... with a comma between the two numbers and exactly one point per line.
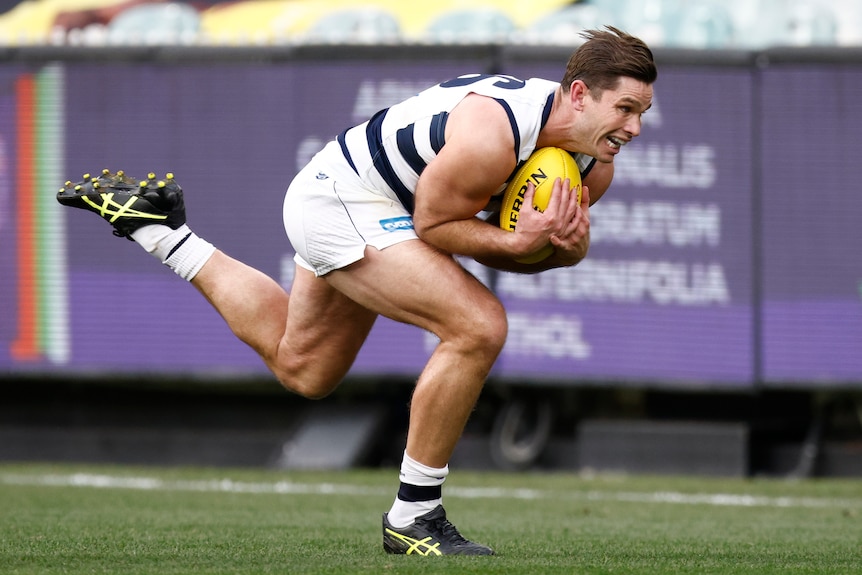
x=414, y=283
x=331, y=316
x=325, y=330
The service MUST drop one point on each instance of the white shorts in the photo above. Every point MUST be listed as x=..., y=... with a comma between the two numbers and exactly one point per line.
x=330, y=215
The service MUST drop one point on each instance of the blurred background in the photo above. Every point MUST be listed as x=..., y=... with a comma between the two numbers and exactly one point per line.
x=715, y=329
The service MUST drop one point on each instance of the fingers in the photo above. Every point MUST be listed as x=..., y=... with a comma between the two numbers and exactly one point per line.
x=573, y=199
x=529, y=195
x=570, y=231
x=556, y=199
x=577, y=226
x=585, y=197
x=583, y=213
x=569, y=206
x=562, y=203
x=563, y=214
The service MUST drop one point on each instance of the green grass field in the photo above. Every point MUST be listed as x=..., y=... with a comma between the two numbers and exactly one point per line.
x=87, y=519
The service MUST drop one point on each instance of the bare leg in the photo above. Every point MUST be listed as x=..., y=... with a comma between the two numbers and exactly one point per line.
x=311, y=348
x=253, y=304
x=414, y=283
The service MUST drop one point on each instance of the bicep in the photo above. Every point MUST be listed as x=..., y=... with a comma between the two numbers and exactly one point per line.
x=599, y=180
x=477, y=158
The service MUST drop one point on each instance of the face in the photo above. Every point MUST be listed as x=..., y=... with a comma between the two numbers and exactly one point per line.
x=614, y=119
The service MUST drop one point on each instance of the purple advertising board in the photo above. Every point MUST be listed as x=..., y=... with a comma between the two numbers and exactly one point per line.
x=714, y=262
x=812, y=236
x=666, y=292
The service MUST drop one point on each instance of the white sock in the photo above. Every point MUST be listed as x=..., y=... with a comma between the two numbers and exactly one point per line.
x=416, y=479
x=180, y=249
x=159, y=239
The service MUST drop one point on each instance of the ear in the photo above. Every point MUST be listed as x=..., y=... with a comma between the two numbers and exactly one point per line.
x=577, y=94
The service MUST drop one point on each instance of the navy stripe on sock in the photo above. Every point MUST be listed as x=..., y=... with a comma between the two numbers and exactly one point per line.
x=176, y=247
x=412, y=493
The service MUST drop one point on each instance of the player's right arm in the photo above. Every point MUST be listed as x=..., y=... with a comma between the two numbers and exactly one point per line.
x=478, y=156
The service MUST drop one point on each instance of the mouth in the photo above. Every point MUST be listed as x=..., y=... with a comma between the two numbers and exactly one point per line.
x=615, y=143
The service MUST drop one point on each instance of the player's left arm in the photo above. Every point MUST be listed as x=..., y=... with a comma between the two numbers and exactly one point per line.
x=599, y=180
x=572, y=246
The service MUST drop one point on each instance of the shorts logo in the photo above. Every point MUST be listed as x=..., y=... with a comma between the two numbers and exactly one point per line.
x=395, y=224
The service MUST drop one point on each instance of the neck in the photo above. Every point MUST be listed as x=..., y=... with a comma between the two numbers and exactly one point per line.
x=558, y=129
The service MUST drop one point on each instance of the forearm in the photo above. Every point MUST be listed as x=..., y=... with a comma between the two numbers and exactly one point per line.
x=558, y=259
x=510, y=265
x=472, y=238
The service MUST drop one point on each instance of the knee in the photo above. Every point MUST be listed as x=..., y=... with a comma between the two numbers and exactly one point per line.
x=306, y=389
x=304, y=382
x=485, y=328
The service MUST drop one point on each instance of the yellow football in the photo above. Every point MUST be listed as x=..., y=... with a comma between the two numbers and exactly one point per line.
x=542, y=167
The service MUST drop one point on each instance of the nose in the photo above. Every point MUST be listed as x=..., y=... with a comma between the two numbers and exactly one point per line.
x=633, y=126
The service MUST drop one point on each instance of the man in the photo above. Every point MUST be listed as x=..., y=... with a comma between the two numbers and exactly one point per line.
x=375, y=219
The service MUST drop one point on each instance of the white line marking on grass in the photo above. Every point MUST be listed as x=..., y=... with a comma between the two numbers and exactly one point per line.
x=292, y=488
x=723, y=499
x=717, y=499
x=207, y=486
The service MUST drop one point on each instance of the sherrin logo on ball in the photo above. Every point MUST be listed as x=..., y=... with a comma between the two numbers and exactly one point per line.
x=542, y=167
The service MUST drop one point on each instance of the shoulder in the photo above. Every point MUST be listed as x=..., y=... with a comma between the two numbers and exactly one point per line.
x=480, y=123
x=498, y=86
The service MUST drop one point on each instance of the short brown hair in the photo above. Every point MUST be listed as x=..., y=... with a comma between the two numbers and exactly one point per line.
x=606, y=56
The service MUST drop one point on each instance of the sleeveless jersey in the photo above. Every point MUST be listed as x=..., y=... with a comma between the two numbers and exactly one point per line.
x=390, y=151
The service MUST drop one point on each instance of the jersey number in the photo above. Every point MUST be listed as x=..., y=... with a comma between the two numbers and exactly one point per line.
x=504, y=82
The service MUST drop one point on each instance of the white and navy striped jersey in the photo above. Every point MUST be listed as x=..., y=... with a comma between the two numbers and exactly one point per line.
x=390, y=151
